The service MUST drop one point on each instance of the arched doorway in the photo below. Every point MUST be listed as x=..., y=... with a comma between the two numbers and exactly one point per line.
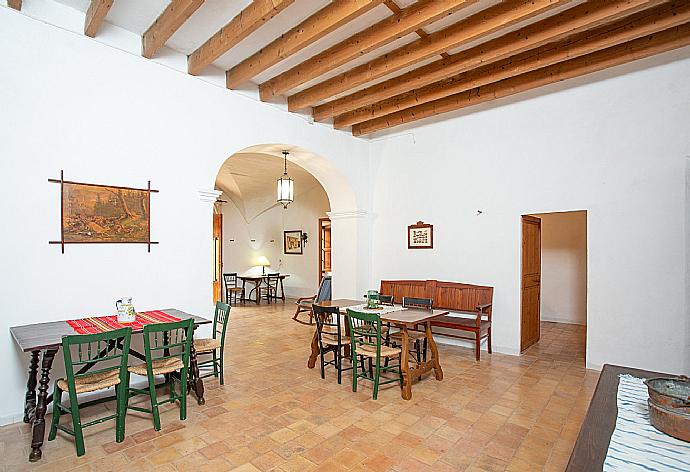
x=349, y=224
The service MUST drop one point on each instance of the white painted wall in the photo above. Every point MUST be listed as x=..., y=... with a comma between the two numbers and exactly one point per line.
x=614, y=145
x=108, y=116
x=244, y=242
x=564, y=267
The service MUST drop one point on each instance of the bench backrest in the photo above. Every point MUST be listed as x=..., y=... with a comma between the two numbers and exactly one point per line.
x=445, y=295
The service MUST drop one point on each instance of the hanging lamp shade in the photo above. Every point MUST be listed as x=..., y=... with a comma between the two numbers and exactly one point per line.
x=286, y=186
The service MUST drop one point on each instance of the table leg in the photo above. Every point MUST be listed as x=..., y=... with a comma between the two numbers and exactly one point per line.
x=196, y=380
x=405, y=364
x=282, y=290
x=257, y=292
x=30, y=399
x=244, y=285
x=434, y=352
x=314, y=351
x=38, y=424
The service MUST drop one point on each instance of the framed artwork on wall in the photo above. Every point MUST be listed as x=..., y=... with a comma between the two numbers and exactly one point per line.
x=292, y=242
x=94, y=213
x=420, y=236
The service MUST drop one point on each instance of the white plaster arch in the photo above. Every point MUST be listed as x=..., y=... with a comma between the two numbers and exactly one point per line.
x=340, y=193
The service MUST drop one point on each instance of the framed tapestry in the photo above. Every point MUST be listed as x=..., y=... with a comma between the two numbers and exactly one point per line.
x=93, y=213
x=420, y=236
x=292, y=242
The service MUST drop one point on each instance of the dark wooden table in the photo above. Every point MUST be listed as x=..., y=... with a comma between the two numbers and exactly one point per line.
x=592, y=443
x=405, y=319
x=47, y=338
x=257, y=280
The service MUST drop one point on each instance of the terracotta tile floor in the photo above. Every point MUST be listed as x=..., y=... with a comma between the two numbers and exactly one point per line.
x=504, y=413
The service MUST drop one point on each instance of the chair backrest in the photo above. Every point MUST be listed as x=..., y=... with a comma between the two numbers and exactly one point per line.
x=365, y=329
x=230, y=280
x=325, y=292
x=110, y=347
x=386, y=299
x=272, y=280
x=327, y=317
x=220, y=320
x=168, y=340
x=413, y=302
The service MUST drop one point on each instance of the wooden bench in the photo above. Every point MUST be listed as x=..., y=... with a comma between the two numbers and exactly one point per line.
x=474, y=301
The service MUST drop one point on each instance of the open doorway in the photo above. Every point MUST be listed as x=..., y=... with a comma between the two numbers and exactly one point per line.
x=554, y=283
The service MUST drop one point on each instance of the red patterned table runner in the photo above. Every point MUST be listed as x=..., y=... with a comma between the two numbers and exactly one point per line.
x=100, y=324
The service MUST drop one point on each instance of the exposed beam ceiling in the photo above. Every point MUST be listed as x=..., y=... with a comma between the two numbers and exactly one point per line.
x=174, y=16
x=16, y=4
x=309, y=31
x=95, y=15
x=475, y=27
x=247, y=21
x=637, y=49
x=410, y=19
x=526, y=43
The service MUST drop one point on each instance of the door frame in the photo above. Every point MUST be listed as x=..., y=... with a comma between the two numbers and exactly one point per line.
x=532, y=219
x=320, y=243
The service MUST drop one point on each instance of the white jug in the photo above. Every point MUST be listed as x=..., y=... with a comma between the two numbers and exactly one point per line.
x=125, y=310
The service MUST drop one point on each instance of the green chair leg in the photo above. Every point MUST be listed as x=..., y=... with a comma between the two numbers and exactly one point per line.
x=57, y=398
x=183, y=396
x=121, y=411
x=76, y=424
x=221, y=366
x=154, y=404
x=376, y=378
x=215, y=364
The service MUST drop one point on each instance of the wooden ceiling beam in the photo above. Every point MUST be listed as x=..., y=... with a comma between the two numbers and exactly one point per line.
x=95, y=15
x=392, y=6
x=15, y=4
x=627, y=29
x=475, y=27
x=571, y=21
x=408, y=20
x=646, y=46
x=324, y=21
x=172, y=18
x=246, y=22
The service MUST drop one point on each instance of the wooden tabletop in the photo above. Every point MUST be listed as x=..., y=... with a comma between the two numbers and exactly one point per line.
x=261, y=276
x=592, y=443
x=49, y=335
x=408, y=316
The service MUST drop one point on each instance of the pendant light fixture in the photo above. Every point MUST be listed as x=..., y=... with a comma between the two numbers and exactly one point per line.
x=286, y=186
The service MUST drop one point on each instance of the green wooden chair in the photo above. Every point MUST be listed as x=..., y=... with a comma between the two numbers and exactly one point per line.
x=166, y=346
x=214, y=346
x=82, y=352
x=365, y=336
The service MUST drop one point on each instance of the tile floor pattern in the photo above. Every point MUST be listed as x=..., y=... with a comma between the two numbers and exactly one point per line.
x=505, y=413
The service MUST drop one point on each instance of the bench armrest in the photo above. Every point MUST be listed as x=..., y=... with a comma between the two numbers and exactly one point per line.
x=481, y=308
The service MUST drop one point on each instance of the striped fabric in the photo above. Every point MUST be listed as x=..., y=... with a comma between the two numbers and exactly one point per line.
x=635, y=444
x=100, y=324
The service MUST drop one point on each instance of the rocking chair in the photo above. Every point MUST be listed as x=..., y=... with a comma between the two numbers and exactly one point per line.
x=304, y=304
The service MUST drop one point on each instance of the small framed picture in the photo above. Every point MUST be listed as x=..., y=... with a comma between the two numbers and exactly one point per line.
x=292, y=242
x=420, y=236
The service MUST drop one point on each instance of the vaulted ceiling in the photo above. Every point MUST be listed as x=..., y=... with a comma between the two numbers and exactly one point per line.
x=249, y=180
x=371, y=65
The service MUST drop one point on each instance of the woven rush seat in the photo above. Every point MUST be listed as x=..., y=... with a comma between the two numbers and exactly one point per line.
x=159, y=366
x=332, y=340
x=457, y=321
x=206, y=345
x=411, y=335
x=370, y=351
x=92, y=382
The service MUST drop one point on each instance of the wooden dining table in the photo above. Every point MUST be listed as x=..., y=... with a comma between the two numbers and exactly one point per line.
x=46, y=338
x=257, y=280
x=405, y=320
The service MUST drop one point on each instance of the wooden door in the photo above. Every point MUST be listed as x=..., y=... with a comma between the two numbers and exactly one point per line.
x=531, y=281
x=324, y=247
x=217, y=256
